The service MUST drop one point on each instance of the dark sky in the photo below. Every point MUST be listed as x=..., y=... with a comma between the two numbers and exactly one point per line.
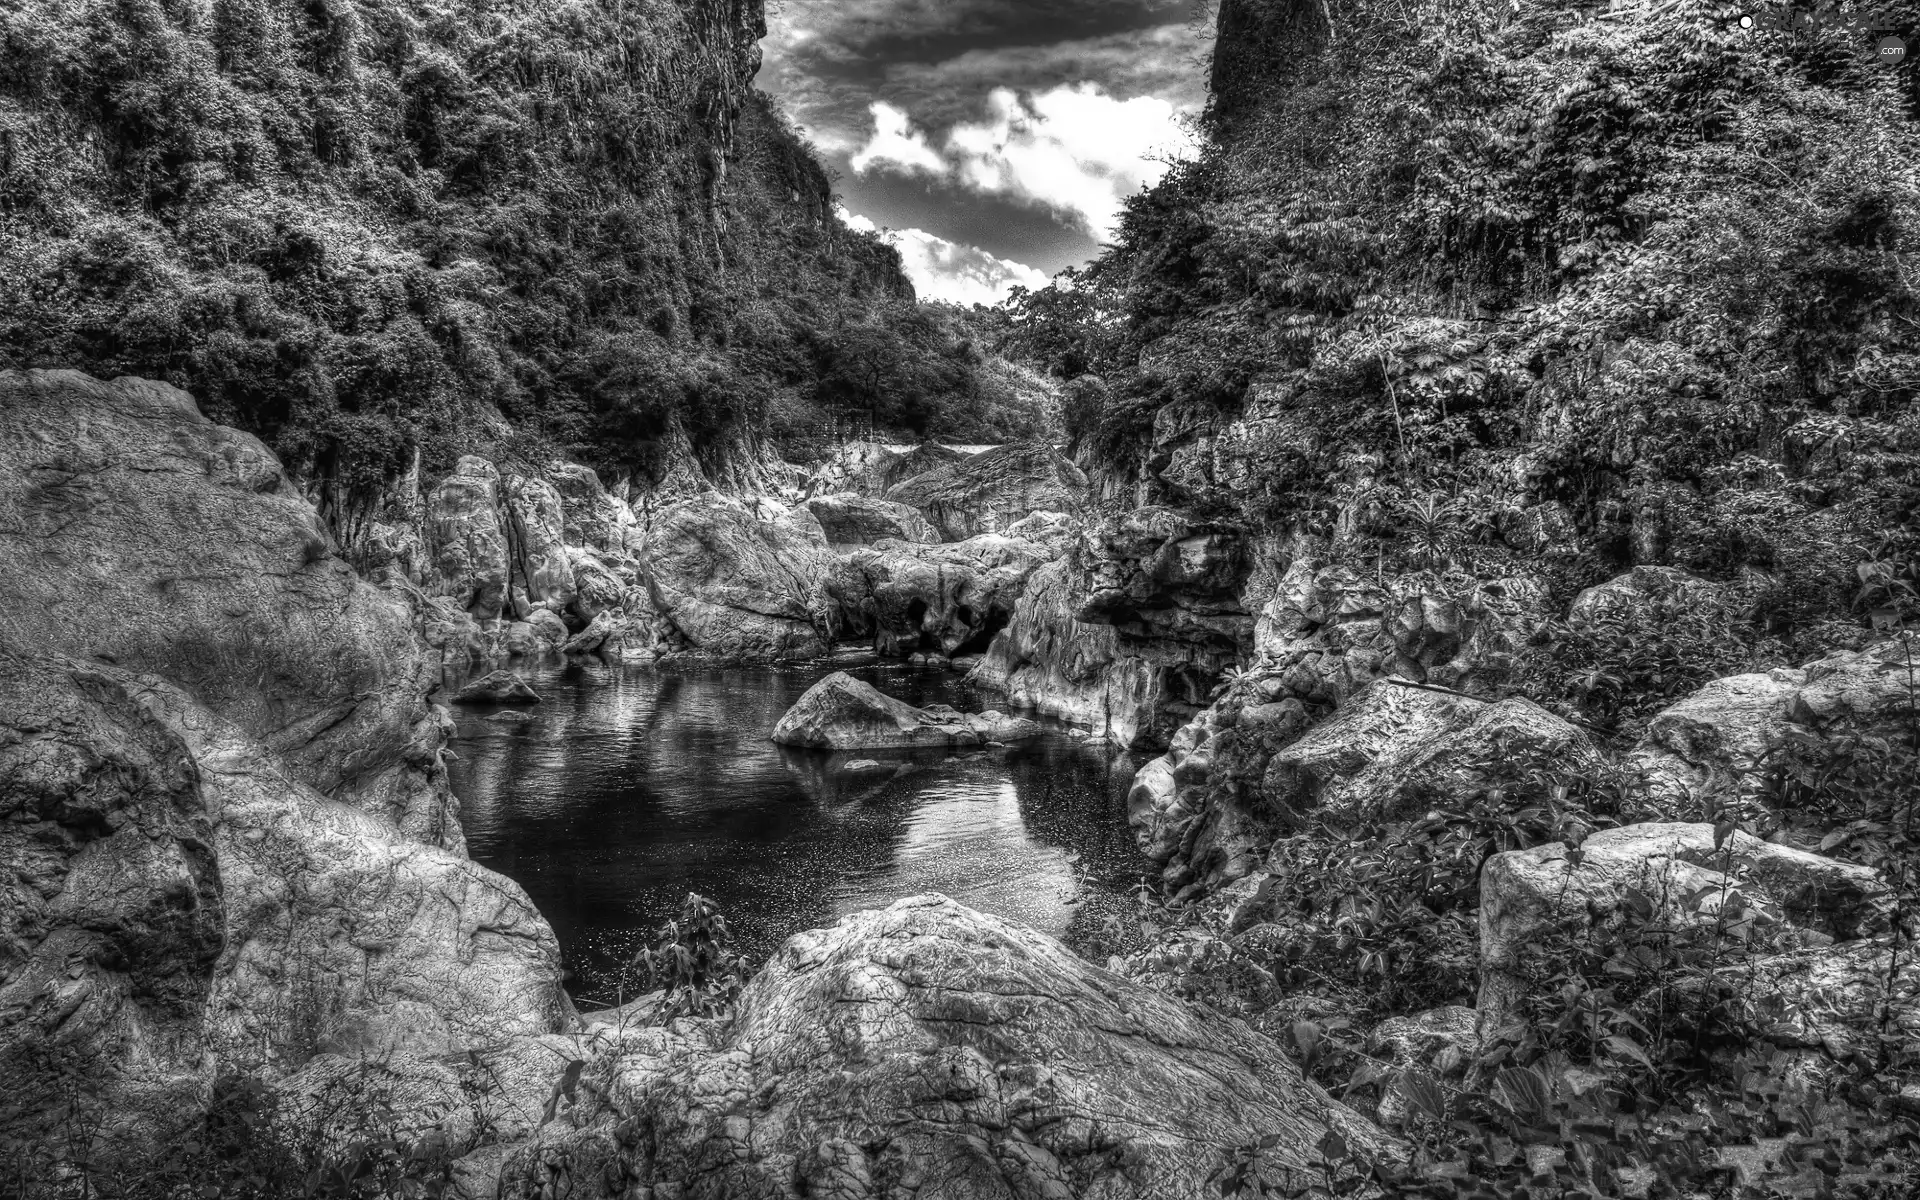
x=995, y=137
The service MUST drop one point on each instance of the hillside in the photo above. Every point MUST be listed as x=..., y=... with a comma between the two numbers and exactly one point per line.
x=359, y=227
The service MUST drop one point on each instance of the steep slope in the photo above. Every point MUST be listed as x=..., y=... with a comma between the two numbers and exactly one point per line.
x=354, y=227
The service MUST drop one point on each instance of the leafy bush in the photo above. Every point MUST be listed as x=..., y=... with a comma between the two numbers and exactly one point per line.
x=694, y=962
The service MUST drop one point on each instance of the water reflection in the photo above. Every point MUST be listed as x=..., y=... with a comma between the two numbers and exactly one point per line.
x=626, y=788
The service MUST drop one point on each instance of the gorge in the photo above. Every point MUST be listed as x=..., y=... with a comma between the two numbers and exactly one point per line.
x=1396, y=679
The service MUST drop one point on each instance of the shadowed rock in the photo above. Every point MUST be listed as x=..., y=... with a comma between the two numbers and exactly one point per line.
x=850, y=519
x=944, y=598
x=994, y=489
x=844, y=713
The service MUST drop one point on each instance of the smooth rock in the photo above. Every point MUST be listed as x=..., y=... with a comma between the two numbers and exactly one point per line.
x=844, y=713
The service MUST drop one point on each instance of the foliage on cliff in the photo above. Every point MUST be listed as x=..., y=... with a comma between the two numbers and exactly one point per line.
x=1649, y=265
x=360, y=226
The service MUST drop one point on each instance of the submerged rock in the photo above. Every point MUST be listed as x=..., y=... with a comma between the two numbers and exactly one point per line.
x=932, y=1045
x=844, y=713
x=499, y=687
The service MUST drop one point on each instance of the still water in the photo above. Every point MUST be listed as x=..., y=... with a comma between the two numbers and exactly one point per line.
x=627, y=787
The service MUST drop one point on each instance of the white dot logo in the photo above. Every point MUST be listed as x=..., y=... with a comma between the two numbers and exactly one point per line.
x=1891, y=51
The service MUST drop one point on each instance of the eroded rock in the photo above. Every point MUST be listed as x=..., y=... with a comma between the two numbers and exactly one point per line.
x=740, y=581
x=468, y=540
x=948, y=597
x=991, y=490
x=1048, y=661
x=851, y=519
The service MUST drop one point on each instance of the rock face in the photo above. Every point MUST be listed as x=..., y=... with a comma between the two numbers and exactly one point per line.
x=928, y=1049
x=1714, y=747
x=948, y=598
x=542, y=573
x=176, y=903
x=870, y=468
x=137, y=532
x=844, y=713
x=497, y=687
x=993, y=489
x=1527, y=894
x=740, y=581
x=850, y=519
x=1047, y=661
x=591, y=516
x=468, y=538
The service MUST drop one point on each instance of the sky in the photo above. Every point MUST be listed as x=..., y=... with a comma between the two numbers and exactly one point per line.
x=994, y=139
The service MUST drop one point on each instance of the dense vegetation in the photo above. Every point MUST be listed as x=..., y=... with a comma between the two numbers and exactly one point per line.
x=358, y=227
x=1459, y=293
x=1650, y=266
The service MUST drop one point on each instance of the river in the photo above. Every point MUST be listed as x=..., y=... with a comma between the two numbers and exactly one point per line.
x=628, y=787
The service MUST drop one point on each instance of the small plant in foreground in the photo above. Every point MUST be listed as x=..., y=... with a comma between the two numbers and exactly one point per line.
x=693, y=959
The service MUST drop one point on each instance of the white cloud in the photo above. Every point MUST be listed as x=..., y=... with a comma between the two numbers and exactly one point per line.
x=1072, y=148
x=952, y=271
x=897, y=144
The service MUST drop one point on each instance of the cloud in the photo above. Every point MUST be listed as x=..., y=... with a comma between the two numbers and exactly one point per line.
x=1073, y=149
x=897, y=145
x=944, y=270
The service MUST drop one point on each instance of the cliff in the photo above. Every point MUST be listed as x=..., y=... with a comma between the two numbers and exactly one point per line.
x=360, y=227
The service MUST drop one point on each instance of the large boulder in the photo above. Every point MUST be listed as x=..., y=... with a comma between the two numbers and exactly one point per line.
x=993, y=489
x=929, y=1049
x=1247, y=769
x=174, y=902
x=468, y=538
x=1395, y=746
x=539, y=528
x=1048, y=661
x=844, y=713
x=1680, y=869
x=738, y=580
x=947, y=597
x=1715, y=748
x=139, y=533
x=851, y=519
